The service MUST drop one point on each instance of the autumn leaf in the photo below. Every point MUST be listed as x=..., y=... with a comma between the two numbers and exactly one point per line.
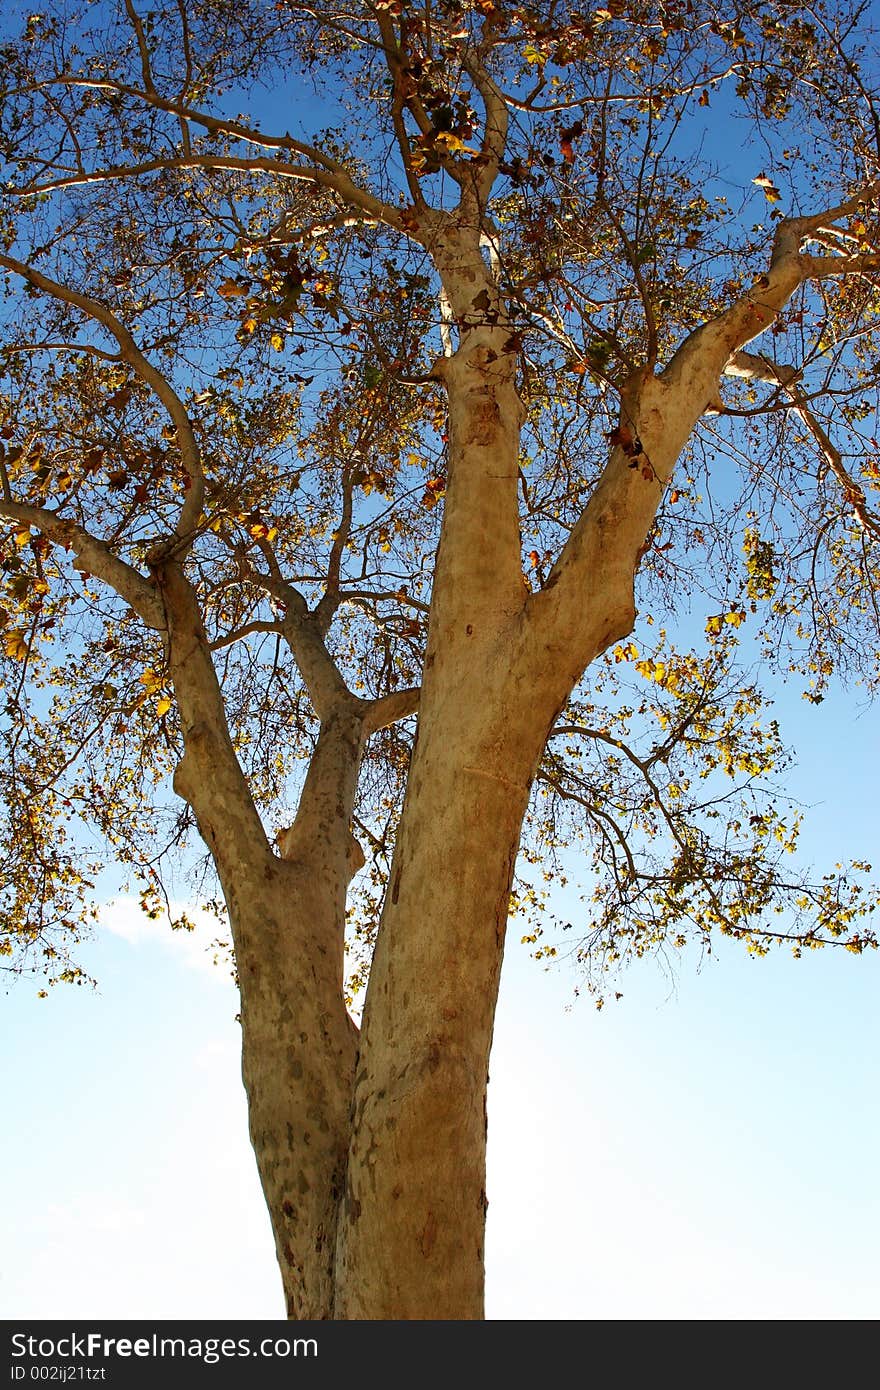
x=566, y=137
x=621, y=437
x=735, y=618
x=231, y=289
x=771, y=192
x=150, y=680
x=16, y=644
x=434, y=490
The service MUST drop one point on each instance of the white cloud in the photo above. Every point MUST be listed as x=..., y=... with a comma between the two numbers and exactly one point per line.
x=124, y=918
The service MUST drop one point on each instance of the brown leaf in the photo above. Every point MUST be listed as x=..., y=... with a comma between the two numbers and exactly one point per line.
x=622, y=438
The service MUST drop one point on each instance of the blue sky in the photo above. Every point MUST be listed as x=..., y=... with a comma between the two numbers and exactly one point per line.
x=705, y=1148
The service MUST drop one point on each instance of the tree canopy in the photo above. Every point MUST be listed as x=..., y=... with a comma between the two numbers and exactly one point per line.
x=222, y=338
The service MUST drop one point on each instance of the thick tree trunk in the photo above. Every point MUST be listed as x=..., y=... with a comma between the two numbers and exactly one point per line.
x=287, y=917
x=298, y=1053
x=412, y=1226
x=411, y=1232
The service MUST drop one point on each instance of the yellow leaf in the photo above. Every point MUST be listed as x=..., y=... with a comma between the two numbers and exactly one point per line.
x=22, y=538
x=230, y=289
x=735, y=619
x=713, y=626
x=151, y=681
x=163, y=705
x=15, y=643
x=277, y=341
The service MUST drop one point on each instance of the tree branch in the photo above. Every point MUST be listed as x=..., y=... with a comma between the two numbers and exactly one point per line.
x=333, y=177
x=190, y=455
x=388, y=709
x=92, y=556
x=247, y=630
x=657, y=416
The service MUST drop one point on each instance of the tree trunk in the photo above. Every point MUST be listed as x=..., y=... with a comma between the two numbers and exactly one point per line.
x=298, y=1053
x=411, y=1231
x=372, y=1151
x=412, y=1226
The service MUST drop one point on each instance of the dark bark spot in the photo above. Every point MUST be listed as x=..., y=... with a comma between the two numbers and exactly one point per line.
x=303, y=1184
x=296, y=1070
x=395, y=890
x=289, y=1256
x=319, y=1239
x=469, y=629
x=396, y=1191
x=288, y=1208
x=428, y=1237
x=434, y=1056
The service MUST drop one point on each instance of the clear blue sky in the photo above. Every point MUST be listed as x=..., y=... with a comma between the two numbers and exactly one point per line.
x=707, y=1147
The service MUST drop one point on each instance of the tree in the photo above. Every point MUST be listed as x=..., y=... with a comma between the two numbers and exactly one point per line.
x=337, y=463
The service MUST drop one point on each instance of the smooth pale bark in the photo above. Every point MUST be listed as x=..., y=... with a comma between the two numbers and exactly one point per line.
x=411, y=1233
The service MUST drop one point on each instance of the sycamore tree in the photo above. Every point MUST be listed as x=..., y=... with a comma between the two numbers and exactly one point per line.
x=422, y=425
